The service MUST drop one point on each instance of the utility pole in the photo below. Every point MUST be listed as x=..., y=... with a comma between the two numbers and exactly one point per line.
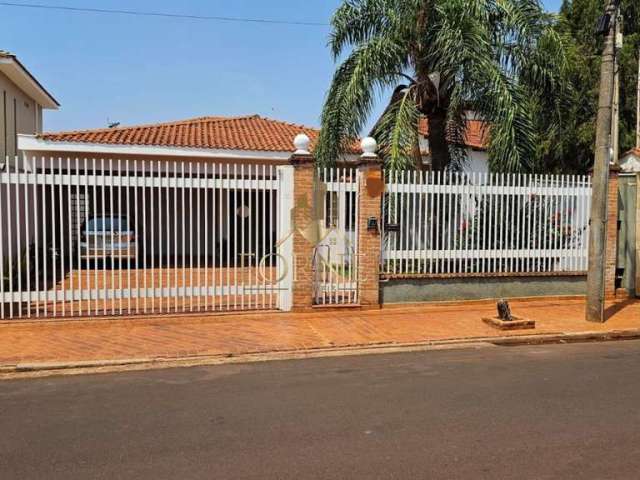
x=598, y=230
x=615, y=127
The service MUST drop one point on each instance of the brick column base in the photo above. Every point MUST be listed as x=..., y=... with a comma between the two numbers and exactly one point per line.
x=303, y=219
x=371, y=189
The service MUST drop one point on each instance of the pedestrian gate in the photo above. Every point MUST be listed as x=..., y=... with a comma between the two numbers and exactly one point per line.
x=335, y=260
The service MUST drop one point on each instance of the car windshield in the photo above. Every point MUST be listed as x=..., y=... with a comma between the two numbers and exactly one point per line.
x=107, y=224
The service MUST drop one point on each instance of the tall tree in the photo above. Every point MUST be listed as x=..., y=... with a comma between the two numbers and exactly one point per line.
x=577, y=22
x=502, y=59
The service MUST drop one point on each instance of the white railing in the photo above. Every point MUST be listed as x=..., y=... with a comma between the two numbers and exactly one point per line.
x=335, y=257
x=94, y=236
x=464, y=223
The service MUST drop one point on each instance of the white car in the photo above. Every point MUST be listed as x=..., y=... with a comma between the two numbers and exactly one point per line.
x=108, y=237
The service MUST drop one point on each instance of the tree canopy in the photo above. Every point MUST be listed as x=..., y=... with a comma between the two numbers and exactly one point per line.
x=576, y=23
x=505, y=60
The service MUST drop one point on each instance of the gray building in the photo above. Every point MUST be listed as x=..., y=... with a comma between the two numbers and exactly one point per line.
x=22, y=101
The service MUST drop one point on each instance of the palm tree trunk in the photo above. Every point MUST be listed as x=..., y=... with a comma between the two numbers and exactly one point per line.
x=438, y=139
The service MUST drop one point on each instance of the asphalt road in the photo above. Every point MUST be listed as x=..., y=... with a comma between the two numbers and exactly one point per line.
x=558, y=411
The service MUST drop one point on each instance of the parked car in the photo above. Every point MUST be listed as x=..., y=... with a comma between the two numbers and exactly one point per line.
x=108, y=237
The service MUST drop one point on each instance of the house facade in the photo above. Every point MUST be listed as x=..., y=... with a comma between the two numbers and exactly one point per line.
x=205, y=206
x=220, y=214
x=206, y=203
x=237, y=150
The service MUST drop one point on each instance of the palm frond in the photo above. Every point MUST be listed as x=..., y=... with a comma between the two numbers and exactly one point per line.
x=500, y=58
x=357, y=21
x=366, y=72
x=397, y=132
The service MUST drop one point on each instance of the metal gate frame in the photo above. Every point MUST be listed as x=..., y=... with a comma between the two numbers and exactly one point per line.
x=47, y=270
x=335, y=258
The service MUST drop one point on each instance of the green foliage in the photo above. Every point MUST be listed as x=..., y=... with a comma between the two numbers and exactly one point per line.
x=577, y=21
x=501, y=58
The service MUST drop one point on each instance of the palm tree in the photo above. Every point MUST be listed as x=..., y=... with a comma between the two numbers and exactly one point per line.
x=502, y=59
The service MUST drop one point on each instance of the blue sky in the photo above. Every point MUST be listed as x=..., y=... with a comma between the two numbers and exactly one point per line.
x=142, y=70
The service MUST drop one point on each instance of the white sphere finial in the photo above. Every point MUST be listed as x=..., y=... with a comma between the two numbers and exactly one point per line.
x=301, y=142
x=369, y=147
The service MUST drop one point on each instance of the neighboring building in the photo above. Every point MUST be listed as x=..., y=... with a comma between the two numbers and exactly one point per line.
x=630, y=161
x=476, y=140
x=22, y=100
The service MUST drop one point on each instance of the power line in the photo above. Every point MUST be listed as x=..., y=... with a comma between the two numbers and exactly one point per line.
x=162, y=14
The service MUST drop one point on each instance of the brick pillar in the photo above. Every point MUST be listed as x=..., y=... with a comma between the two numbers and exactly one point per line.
x=303, y=219
x=612, y=233
x=371, y=189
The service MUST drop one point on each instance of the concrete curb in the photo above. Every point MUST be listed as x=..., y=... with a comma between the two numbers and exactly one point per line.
x=34, y=367
x=45, y=369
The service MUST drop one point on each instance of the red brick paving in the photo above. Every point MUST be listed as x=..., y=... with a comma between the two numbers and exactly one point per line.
x=121, y=338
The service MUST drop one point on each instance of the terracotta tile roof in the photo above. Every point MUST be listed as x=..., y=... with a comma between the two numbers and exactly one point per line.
x=476, y=136
x=227, y=133
x=251, y=133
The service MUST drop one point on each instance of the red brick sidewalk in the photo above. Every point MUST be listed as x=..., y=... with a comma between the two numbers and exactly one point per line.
x=173, y=337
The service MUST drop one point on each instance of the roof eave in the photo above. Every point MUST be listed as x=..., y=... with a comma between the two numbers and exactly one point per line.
x=18, y=74
x=33, y=144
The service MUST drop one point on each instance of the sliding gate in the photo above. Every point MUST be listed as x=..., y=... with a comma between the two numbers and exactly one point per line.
x=88, y=236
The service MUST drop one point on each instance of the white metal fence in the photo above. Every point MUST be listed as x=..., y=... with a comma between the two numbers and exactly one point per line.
x=104, y=236
x=465, y=223
x=335, y=261
x=89, y=236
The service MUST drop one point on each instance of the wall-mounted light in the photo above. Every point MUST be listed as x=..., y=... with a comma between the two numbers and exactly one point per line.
x=243, y=211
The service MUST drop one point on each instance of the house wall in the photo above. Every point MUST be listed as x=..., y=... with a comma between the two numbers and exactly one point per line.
x=477, y=161
x=16, y=236
x=209, y=229
x=18, y=114
x=172, y=224
x=172, y=231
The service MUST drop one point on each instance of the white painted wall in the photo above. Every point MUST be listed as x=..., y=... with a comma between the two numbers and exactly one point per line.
x=477, y=161
x=19, y=114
